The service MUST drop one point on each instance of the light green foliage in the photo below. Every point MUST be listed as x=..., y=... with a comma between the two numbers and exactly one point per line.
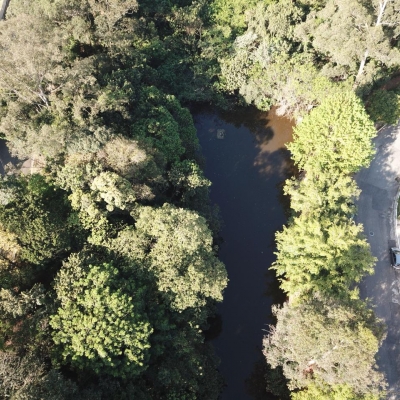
x=325, y=255
x=230, y=16
x=329, y=31
x=322, y=194
x=276, y=19
x=384, y=106
x=113, y=189
x=334, y=392
x=100, y=324
x=30, y=59
x=181, y=256
x=335, y=137
x=77, y=172
x=303, y=88
x=291, y=83
x=323, y=340
x=262, y=42
x=74, y=14
x=96, y=191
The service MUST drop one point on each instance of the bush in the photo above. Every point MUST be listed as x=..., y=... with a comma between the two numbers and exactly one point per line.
x=384, y=106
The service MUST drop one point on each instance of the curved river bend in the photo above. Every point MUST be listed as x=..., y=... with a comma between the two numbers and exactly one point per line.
x=247, y=163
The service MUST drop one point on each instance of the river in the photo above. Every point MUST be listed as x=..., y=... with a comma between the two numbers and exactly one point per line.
x=247, y=163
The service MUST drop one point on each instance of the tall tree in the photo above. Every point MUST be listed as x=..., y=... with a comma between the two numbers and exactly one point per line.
x=100, y=324
x=181, y=255
x=335, y=137
x=324, y=194
x=36, y=213
x=348, y=33
x=326, y=254
x=323, y=340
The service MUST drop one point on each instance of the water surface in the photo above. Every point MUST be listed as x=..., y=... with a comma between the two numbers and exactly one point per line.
x=247, y=162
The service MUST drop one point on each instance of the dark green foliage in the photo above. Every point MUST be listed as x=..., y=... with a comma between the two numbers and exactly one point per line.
x=24, y=317
x=384, y=106
x=334, y=392
x=189, y=185
x=36, y=215
x=276, y=382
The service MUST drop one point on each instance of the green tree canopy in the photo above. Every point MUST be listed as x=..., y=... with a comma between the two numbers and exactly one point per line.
x=100, y=323
x=384, y=106
x=323, y=340
x=335, y=137
x=36, y=214
x=347, y=33
x=326, y=255
x=324, y=194
x=265, y=66
x=181, y=255
x=334, y=392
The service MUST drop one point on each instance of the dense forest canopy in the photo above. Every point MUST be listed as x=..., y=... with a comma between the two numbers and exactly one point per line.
x=108, y=256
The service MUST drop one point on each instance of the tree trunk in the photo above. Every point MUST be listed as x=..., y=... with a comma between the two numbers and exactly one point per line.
x=362, y=65
x=4, y=9
x=382, y=6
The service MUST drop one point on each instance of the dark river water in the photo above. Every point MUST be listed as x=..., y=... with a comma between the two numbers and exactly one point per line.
x=247, y=162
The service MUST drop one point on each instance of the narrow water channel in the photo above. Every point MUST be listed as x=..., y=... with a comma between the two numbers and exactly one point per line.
x=247, y=162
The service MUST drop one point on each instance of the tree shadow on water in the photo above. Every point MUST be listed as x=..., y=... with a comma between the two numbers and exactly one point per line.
x=254, y=120
x=266, y=383
x=214, y=327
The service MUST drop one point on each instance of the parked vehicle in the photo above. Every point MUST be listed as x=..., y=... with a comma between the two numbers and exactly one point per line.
x=395, y=257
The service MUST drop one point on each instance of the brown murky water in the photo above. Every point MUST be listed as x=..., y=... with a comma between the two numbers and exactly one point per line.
x=247, y=162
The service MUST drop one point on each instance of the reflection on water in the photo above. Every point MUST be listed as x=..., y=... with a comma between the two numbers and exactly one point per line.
x=247, y=162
